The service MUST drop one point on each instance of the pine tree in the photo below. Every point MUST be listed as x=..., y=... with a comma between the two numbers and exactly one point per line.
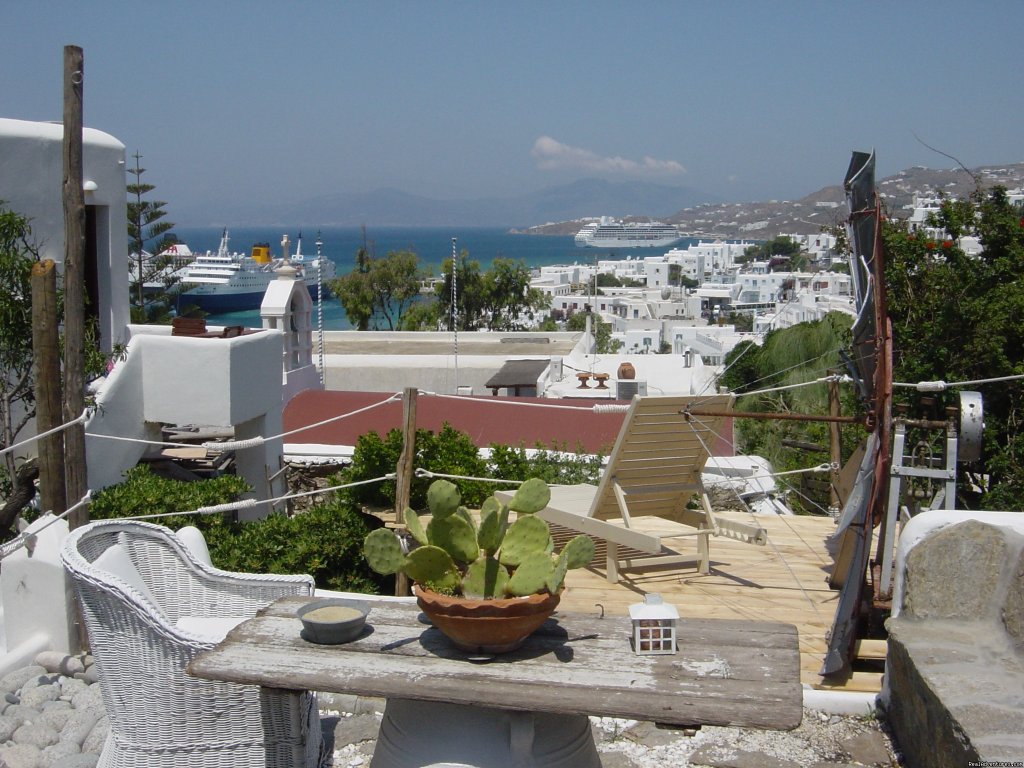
x=144, y=225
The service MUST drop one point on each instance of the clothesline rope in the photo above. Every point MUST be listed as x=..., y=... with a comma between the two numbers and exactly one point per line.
x=47, y=433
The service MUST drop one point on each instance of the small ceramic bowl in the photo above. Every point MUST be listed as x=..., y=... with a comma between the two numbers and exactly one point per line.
x=333, y=620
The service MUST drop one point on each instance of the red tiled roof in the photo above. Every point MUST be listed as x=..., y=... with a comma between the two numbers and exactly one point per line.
x=503, y=420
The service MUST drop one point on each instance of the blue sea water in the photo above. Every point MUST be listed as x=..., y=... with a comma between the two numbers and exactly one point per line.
x=431, y=245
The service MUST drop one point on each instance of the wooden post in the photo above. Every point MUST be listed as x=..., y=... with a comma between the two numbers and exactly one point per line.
x=46, y=358
x=834, y=443
x=404, y=472
x=74, y=283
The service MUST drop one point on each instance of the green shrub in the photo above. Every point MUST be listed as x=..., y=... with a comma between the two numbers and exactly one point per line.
x=325, y=541
x=555, y=466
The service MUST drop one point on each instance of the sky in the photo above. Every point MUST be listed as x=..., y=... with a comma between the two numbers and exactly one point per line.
x=259, y=101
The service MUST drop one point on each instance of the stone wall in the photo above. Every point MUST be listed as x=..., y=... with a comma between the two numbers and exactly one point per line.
x=954, y=687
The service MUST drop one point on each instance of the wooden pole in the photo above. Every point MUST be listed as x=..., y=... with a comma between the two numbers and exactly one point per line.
x=46, y=358
x=74, y=283
x=834, y=442
x=404, y=472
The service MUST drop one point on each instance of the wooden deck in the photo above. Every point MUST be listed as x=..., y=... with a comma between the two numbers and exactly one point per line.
x=783, y=581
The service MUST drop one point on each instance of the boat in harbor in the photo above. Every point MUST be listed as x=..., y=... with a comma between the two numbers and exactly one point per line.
x=234, y=282
x=610, y=233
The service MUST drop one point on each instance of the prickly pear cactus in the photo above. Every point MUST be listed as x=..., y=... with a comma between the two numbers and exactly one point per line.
x=485, y=578
x=493, y=523
x=415, y=527
x=383, y=551
x=527, y=534
x=443, y=498
x=531, y=576
x=532, y=496
x=429, y=564
x=491, y=560
x=579, y=551
x=455, y=536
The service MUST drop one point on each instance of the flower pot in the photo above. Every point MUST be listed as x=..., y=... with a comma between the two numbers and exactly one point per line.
x=486, y=626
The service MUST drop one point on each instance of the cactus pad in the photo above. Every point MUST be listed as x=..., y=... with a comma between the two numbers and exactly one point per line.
x=485, y=578
x=557, y=576
x=443, y=498
x=415, y=527
x=532, y=496
x=579, y=551
x=531, y=576
x=429, y=565
x=527, y=534
x=455, y=536
x=383, y=551
x=493, y=522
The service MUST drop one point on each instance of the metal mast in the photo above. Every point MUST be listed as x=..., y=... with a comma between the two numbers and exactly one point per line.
x=319, y=306
x=455, y=312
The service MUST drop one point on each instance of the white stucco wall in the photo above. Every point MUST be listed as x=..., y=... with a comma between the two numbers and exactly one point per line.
x=31, y=177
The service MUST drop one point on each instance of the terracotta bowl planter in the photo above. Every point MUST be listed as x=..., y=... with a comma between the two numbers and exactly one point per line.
x=486, y=626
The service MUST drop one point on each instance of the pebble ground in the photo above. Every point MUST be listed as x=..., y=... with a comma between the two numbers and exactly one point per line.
x=51, y=716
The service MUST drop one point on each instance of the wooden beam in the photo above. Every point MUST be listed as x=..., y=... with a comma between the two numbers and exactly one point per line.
x=46, y=359
x=74, y=283
x=404, y=473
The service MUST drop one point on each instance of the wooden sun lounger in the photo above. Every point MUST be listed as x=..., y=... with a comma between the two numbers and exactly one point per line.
x=654, y=470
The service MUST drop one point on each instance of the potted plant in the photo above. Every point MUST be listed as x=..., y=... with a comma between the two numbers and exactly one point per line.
x=464, y=572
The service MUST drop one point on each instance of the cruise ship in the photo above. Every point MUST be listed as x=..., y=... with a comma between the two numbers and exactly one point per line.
x=610, y=233
x=233, y=282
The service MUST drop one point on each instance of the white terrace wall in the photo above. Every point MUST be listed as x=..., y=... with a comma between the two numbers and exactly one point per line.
x=31, y=177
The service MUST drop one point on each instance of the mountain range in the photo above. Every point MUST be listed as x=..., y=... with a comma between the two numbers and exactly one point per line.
x=560, y=209
x=393, y=207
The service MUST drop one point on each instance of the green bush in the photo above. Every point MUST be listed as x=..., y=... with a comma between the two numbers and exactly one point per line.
x=448, y=452
x=555, y=466
x=325, y=541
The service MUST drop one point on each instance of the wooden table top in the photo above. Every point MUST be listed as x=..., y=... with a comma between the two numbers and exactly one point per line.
x=739, y=673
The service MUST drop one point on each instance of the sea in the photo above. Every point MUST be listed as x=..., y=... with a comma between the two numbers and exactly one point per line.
x=431, y=244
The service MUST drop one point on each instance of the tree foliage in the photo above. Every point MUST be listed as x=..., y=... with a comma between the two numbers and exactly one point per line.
x=603, y=341
x=17, y=393
x=146, y=224
x=961, y=318
x=378, y=292
x=795, y=355
x=498, y=299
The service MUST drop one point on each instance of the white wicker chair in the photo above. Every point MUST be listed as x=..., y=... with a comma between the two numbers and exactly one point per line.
x=136, y=582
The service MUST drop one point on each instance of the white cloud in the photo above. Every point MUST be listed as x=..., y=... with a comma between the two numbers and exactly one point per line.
x=554, y=155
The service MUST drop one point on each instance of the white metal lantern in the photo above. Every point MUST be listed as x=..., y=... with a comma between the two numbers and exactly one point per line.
x=654, y=626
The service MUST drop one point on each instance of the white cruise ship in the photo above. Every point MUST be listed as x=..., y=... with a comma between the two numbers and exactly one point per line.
x=233, y=282
x=610, y=233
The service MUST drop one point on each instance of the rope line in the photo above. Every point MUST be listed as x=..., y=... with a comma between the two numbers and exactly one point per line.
x=23, y=539
x=428, y=473
x=47, y=433
x=942, y=386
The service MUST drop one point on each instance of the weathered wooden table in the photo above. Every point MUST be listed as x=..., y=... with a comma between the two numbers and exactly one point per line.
x=740, y=673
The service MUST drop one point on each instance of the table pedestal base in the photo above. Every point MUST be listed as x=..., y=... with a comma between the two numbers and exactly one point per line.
x=426, y=734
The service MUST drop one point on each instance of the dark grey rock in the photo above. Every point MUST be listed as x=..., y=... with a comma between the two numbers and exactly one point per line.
x=717, y=756
x=867, y=748
x=355, y=729
x=616, y=760
x=651, y=735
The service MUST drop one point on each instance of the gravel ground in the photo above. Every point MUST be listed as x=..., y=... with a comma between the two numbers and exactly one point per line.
x=51, y=716
x=821, y=741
